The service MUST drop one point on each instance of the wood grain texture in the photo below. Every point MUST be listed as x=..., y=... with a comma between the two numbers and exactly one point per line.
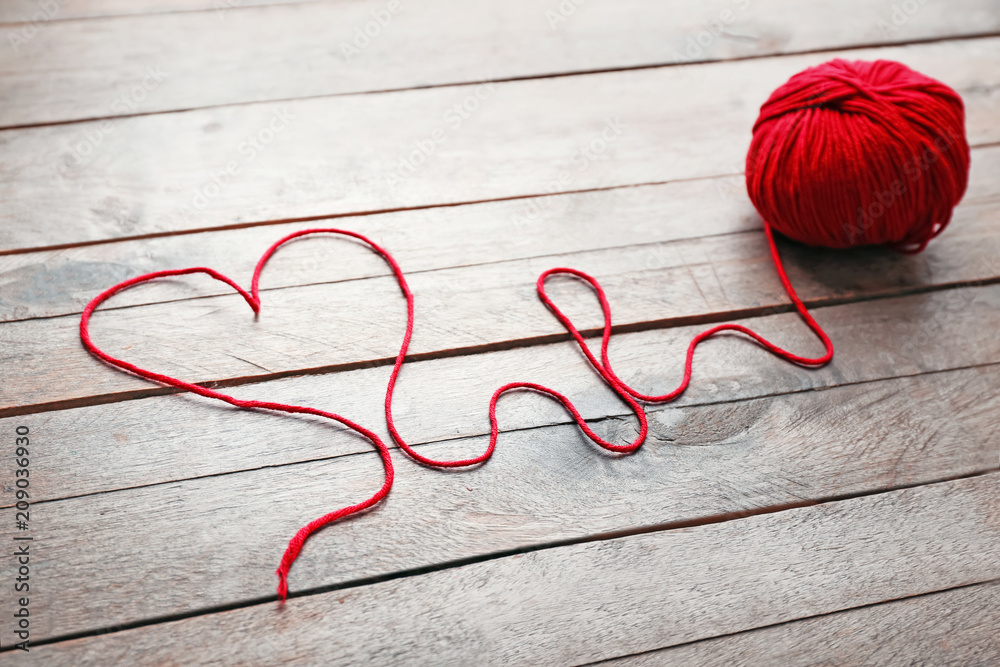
x=31, y=11
x=769, y=493
x=597, y=600
x=178, y=547
x=59, y=282
x=170, y=438
x=465, y=310
x=70, y=70
x=524, y=138
x=954, y=627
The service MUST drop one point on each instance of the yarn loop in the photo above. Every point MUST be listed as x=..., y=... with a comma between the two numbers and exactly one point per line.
x=843, y=154
x=602, y=365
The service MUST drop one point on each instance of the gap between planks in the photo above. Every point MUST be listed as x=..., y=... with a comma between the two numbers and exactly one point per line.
x=673, y=281
x=607, y=419
x=473, y=350
x=443, y=245
x=454, y=411
x=472, y=84
x=337, y=181
x=905, y=630
x=513, y=41
x=497, y=555
x=277, y=223
x=364, y=214
x=862, y=438
x=930, y=538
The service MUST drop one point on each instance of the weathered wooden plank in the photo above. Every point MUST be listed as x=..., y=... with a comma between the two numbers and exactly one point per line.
x=466, y=309
x=147, y=552
x=160, y=542
x=596, y=600
x=528, y=137
x=168, y=438
x=59, y=282
x=41, y=13
x=955, y=627
x=68, y=70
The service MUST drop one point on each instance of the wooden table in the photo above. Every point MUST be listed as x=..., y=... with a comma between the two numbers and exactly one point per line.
x=775, y=515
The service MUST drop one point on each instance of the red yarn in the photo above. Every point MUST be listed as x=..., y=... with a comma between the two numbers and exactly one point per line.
x=829, y=145
x=856, y=153
x=602, y=366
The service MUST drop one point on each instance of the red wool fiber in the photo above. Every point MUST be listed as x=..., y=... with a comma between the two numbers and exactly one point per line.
x=858, y=153
x=828, y=143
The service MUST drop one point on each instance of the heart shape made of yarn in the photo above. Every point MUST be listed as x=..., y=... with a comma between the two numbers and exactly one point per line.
x=602, y=365
x=253, y=300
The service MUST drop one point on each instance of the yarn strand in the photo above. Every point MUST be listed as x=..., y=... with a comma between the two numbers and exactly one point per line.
x=845, y=153
x=253, y=299
x=602, y=366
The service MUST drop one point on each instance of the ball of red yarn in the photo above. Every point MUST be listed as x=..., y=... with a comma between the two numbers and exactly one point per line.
x=852, y=153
